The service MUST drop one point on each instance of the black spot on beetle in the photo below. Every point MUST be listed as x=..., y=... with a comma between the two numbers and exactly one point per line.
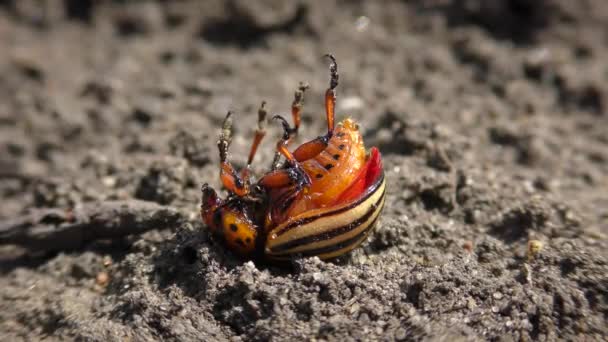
x=336, y=156
x=239, y=242
x=318, y=175
x=247, y=240
x=340, y=134
x=341, y=147
x=329, y=166
x=234, y=227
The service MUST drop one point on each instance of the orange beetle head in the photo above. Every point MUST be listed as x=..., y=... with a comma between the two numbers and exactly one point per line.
x=229, y=221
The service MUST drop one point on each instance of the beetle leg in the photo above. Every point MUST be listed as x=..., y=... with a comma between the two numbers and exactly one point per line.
x=296, y=106
x=284, y=142
x=230, y=178
x=290, y=183
x=275, y=179
x=296, y=113
x=312, y=148
x=228, y=174
x=330, y=94
x=284, y=201
x=260, y=132
x=293, y=174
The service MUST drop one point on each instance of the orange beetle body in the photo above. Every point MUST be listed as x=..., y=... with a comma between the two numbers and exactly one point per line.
x=322, y=201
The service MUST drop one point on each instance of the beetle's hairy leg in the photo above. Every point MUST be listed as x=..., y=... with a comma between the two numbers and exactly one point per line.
x=260, y=132
x=228, y=174
x=285, y=200
x=293, y=174
x=296, y=113
x=275, y=179
x=296, y=106
x=283, y=143
x=290, y=183
x=312, y=148
x=276, y=161
x=330, y=94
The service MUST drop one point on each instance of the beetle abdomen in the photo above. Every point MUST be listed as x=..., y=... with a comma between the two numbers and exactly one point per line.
x=328, y=232
x=334, y=169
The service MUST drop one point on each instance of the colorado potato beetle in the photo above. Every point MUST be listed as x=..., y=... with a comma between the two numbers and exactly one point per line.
x=322, y=199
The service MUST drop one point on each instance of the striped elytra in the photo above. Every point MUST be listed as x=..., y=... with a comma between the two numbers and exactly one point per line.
x=322, y=198
x=328, y=232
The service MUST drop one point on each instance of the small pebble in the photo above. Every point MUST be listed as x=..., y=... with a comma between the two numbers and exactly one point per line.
x=364, y=318
x=400, y=334
x=107, y=261
x=468, y=246
x=534, y=247
x=102, y=279
x=362, y=23
x=109, y=181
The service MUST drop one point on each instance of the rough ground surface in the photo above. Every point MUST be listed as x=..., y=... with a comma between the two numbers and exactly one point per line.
x=492, y=117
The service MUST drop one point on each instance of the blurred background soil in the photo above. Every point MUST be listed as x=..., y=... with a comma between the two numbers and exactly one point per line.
x=492, y=117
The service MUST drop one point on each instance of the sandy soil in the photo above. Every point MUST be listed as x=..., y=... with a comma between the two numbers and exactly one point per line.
x=492, y=117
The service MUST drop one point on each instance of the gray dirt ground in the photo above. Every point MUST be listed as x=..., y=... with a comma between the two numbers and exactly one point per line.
x=492, y=117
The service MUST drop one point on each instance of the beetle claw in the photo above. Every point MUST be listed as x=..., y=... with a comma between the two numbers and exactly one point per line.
x=286, y=128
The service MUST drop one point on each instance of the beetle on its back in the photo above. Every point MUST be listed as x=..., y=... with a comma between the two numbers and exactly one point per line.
x=323, y=200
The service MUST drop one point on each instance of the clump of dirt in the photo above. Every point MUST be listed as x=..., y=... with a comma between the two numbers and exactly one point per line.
x=491, y=118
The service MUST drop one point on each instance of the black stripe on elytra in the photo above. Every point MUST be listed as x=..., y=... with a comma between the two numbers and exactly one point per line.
x=328, y=249
x=309, y=219
x=329, y=234
x=342, y=244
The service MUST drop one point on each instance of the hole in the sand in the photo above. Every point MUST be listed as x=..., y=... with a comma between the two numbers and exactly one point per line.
x=189, y=254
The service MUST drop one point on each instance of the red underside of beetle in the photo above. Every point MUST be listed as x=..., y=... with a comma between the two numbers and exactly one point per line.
x=368, y=175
